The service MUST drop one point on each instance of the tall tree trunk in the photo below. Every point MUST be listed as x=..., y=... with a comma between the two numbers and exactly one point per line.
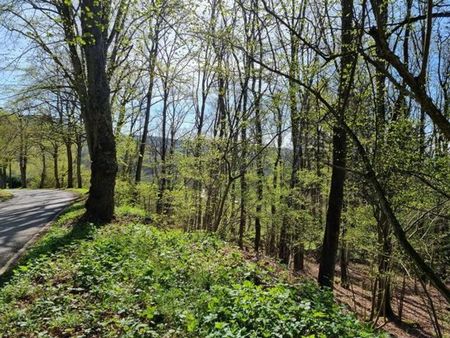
x=213, y=214
x=161, y=204
x=23, y=160
x=383, y=295
x=149, y=95
x=69, y=164
x=79, y=153
x=383, y=305
x=198, y=186
x=259, y=184
x=3, y=177
x=344, y=260
x=273, y=209
x=243, y=180
x=257, y=92
x=336, y=196
x=55, y=166
x=299, y=256
x=10, y=174
x=243, y=166
x=284, y=252
x=244, y=119
x=335, y=201
x=44, y=170
x=96, y=111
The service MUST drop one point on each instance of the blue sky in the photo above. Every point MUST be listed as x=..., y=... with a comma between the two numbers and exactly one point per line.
x=12, y=65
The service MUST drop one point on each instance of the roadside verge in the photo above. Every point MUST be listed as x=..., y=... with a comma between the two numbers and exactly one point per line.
x=14, y=260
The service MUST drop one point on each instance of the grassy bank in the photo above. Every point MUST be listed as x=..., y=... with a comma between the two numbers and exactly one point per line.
x=5, y=195
x=134, y=280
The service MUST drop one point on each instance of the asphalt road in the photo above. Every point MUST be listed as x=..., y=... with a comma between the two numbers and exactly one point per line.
x=25, y=215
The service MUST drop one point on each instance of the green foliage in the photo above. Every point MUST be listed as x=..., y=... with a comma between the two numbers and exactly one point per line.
x=5, y=195
x=124, y=192
x=79, y=191
x=249, y=310
x=133, y=280
x=130, y=211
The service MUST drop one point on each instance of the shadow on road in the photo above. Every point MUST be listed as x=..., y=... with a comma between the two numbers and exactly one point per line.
x=54, y=243
x=25, y=215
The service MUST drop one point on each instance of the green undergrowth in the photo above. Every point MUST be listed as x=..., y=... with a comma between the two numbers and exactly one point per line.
x=133, y=280
x=79, y=191
x=5, y=195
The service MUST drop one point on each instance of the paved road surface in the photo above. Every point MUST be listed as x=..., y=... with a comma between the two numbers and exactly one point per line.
x=25, y=215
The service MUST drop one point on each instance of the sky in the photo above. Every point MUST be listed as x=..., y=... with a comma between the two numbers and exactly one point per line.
x=12, y=65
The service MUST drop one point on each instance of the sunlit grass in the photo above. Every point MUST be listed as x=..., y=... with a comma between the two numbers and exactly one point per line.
x=5, y=195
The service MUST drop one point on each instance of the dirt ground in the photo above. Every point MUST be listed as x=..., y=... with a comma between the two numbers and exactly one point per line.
x=416, y=314
x=416, y=320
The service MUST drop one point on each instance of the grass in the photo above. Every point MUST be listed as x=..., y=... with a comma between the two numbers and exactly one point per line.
x=133, y=280
x=79, y=191
x=5, y=195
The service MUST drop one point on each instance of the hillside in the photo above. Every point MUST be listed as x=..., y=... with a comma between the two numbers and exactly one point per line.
x=133, y=280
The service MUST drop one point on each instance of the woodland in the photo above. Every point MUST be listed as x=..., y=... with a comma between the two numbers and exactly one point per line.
x=283, y=148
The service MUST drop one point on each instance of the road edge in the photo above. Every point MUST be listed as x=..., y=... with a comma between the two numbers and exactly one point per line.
x=4, y=198
x=19, y=254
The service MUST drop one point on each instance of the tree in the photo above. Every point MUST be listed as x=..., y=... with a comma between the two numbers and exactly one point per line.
x=89, y=33
x=335, y=200
x=157, y=14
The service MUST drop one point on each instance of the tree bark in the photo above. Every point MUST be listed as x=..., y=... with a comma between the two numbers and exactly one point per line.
x=97, y=113
x=257, y=88
x=161, y=206
x=23, y=170
x=244, y=118
x=69, y=165
x=344, y=260
x=243, y=167
x=336, y=196
x=284, y=251
x=152, y=66
x=44, y=170
x=271, y=245
x=79, y=154
x=383, y=301
x=3, y=178
x=55, y=166
x=335, y=202
x=23, y=158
